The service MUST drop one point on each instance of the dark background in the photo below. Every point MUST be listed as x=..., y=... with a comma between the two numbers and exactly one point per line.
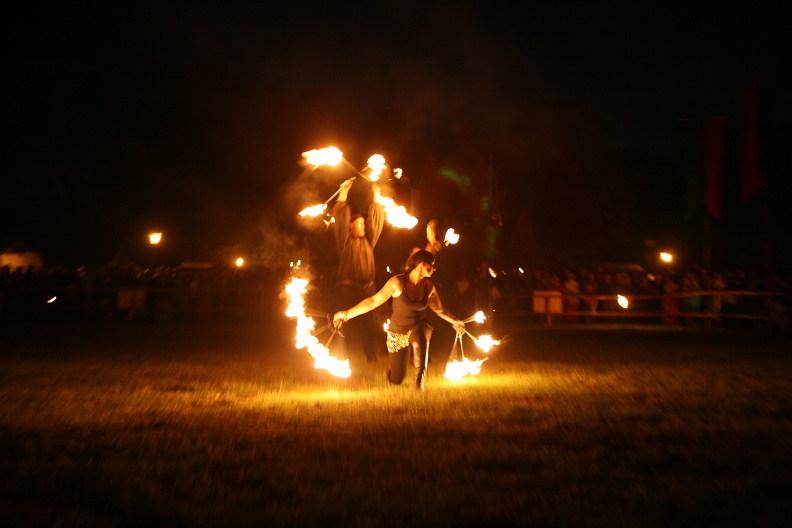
x=191, y=117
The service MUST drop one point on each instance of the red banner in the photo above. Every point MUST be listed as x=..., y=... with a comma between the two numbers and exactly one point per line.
x=751, y=179
x=714, y=135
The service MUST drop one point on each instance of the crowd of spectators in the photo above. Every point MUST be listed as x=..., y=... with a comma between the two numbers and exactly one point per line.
x=588, y=294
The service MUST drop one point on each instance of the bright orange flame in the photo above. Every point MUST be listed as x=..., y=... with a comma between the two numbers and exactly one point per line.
x=451, y=237
x=155, y=238
x=479, y=317
x=666, y=257
x=377, y=164
x=240, y=262
x=397, y=173
x=305, y=325
x=485, y=342
x=386, y=325
x=330, y=156
x=396, y=214
x=456, y=370
x=314, y=210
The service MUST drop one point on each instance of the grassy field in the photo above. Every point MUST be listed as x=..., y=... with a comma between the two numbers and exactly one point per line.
x=132, y=424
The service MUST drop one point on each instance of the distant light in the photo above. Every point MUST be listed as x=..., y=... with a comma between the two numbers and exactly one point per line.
x=666, y=257
x=387, y=268
x=239, y=262
x=492, y=273
x=155, y=238
x=521, y=270
x=52, y=300
x=623, y=302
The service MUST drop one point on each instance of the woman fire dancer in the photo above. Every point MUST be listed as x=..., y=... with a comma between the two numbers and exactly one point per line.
x=408, y=333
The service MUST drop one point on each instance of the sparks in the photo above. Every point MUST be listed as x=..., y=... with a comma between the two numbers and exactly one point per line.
x=305, y=325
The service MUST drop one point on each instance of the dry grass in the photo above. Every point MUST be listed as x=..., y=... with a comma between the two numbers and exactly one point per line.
x=129, y=425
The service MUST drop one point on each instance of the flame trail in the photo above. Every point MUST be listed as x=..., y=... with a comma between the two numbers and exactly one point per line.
x=397, y=215
x=305, y=325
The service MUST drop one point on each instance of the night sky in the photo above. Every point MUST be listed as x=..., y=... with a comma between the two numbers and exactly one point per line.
x=191, y=117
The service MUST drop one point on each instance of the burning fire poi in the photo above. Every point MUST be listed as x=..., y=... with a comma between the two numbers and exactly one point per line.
x=305, y=325
x=397, y=215
x=456, y=370
x=377, y=164
x=330, y=156
x=314, y=210
x=451, y=237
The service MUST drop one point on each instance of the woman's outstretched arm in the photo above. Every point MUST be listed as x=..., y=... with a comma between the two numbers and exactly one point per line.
x=369, y=303
x=437, y=307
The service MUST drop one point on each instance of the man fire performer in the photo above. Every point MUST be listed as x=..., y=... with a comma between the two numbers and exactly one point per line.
x=409, y=332
x=355, y=238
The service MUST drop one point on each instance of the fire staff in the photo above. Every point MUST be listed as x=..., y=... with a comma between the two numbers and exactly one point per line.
x=409, y=332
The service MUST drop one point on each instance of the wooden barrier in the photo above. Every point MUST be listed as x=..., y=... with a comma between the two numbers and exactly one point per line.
x=768, y=306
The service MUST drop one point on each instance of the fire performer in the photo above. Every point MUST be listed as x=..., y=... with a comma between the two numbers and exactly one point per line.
x=409, y=332
x=355, y=238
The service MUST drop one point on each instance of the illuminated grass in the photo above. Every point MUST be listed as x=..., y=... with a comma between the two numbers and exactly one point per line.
x=211, y=426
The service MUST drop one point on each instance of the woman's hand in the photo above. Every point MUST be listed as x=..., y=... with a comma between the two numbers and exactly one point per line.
x=459, y=326
x=340, y=318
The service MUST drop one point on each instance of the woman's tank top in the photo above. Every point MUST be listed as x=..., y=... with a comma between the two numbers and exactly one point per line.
x=406, y=312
